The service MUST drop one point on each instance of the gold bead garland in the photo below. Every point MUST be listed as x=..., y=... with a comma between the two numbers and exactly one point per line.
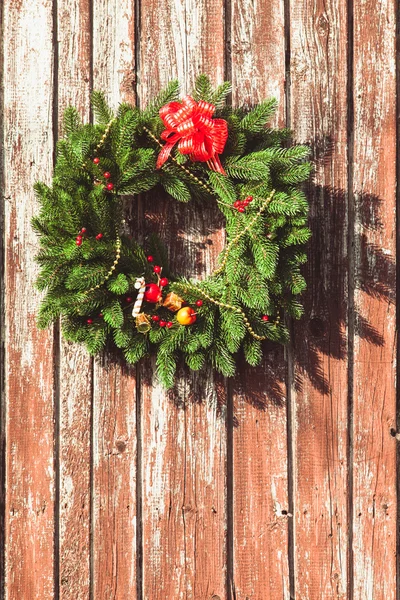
x=187, y=286
x=243, y=232
x=112, y=269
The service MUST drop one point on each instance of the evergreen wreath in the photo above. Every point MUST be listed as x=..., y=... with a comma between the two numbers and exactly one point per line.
x=109, y=291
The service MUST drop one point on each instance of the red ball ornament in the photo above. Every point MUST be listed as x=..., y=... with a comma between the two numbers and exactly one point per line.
x=155, y=318
x=199, y=302
x=128, y=299
x=150, y=258
x=157, y=269
x=110, y=186
x=96, y=160
x=89, y=321
x=164, y=281
x=106, y=175
x=265, y=318
x=99, y=236
x=152, y=293
x=169, y=324
x=163, y=323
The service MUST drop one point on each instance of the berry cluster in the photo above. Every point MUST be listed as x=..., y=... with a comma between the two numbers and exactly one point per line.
x=109, y=186
x=82, y=232
x=240, y=205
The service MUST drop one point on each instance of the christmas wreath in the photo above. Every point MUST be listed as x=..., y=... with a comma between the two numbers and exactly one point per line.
x=110, y=291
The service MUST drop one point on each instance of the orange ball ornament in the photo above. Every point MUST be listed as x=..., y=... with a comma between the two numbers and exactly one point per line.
x=186, y=316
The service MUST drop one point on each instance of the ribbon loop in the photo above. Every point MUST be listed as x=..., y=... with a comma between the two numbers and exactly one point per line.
x=190, y=123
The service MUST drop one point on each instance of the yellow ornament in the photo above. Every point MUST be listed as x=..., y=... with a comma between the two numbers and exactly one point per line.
x=186, y=316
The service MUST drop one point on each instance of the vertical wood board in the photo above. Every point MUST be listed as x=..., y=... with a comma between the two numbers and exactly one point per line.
x=184, y=449
x=75, y=366
x=260, y=486
x=28, y=140
x=374, y=397
x=114, y=390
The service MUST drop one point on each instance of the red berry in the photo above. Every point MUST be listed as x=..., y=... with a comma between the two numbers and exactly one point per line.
x=265, y=318
x=96, y=160
x=101, y=315
x=78, y=237
x=169, y=324
x=155, y=318
x=99, y=236
x=164, y=281
x=157, y=269
x=128, y=299
x=150, y=258
x=89, y=321
x=237, y=203
x=110, y=186
x=163, y=323
x=199, y=302
x=249, y=198
x=106, y=175
x=246, y=202
x=83, y=230
x=79, y=242
x=241, y=209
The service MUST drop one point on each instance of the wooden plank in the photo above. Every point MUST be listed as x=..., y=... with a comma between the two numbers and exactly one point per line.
x=318, y=74
x=28, y=140
x=74, y=79
x=260, y=486
x=184, y=454
x=114, y=390
x=374, y=401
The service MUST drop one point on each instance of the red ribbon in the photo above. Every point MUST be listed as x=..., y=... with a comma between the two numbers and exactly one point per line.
x=191, y=124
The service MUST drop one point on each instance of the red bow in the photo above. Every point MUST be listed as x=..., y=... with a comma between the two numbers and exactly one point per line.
x=190, y=123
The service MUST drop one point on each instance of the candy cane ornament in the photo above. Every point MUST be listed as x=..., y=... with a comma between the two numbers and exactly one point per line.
x=140, y=284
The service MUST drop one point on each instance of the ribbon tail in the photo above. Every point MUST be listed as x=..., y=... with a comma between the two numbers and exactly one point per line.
x=215, y=164
x=164, y=154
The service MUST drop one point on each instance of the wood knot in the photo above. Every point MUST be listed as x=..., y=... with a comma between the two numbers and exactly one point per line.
x=120, y=445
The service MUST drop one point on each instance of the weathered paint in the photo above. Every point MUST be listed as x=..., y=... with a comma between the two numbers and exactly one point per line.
x=318, y=100
x=114, y=515
x=29, y=426
x=74, y=80
x=374, y=400
x=339, y=475
x=260, y=529
x=184, y=450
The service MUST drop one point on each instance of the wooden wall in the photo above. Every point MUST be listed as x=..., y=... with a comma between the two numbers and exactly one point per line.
x=280, y=484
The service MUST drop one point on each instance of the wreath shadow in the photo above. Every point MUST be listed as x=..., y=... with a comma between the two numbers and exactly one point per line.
x=322, y=331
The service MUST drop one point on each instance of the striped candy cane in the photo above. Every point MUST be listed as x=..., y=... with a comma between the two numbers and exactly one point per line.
x=140, y=285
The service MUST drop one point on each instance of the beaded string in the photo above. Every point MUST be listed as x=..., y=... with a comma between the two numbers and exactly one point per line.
x=112, y=269
x=188, y=286
x=187, y=171
x=243, y=232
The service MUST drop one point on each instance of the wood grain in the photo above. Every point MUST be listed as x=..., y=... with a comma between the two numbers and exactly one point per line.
x=260, y=487
x=75, y=370
x=374, y=398
x=184, y=450
x=114, y=386
x=28, y=140
x=318, y=44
